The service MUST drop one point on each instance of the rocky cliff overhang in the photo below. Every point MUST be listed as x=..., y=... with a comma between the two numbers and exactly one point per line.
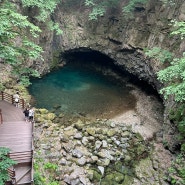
x=121, y=38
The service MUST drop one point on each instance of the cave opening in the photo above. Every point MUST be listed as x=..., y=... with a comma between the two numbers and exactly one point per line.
x=98, y=61
x=87, y=83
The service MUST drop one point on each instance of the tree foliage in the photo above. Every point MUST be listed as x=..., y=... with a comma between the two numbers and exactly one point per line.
x=15, y=46
x=131, y=5
x=5, y=163
x=99, y=7
x=46, y=7
x=159, y=54
x=16, y=33
x=174, y=78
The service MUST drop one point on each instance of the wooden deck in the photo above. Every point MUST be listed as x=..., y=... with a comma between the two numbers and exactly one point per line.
x=16, y=134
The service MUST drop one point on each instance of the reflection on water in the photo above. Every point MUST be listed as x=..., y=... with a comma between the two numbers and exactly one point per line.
x=76, y=89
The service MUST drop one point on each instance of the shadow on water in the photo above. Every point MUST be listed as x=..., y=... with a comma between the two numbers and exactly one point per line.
x=88, y=85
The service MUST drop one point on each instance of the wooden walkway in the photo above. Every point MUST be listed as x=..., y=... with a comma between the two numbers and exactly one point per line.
x=16, y=134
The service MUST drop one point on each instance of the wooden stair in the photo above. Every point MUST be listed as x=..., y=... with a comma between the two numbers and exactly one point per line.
x=16, y=134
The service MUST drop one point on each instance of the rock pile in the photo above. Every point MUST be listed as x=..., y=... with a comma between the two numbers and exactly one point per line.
x=89, y=152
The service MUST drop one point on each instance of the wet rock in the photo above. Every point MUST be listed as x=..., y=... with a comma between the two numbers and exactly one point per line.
x=79, y=125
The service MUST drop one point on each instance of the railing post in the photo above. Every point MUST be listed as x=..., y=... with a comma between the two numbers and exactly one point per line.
x=1, y=117
x=2, y=95
x=23, y=104
x=12, y=99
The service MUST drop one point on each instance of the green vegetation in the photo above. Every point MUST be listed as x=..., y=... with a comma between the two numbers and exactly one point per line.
x=99, y=7
x=46, y=7
x=159, y=54
x=177, y=171
x=44, y=172
x=173, y=78
x=131, y=5
x=16, y=48
x=5, y=163
x=17, y=36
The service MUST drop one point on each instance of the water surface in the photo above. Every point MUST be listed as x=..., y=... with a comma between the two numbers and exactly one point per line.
x=76, y=89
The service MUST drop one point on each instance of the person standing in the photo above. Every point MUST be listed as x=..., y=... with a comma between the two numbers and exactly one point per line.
x=31, y=115
x=26, y=114
x=16, y=99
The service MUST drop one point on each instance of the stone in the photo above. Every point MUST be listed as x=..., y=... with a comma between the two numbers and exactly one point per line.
x=91, y=131
x=50, y=116
x=63, y=161
x=111, y=133
x=94, y=158
x=125, y=134
x=64, y=138
x=104, y=144
x=103, y=162
x=98, y=144
x=85, y=141
x=78, y=135
x=68, y=146
x=81, y=161
x=113, y=125
x=90, y=174
x=69, y=133
x=91, y=138
x=76, y=153
x=79, y=124
x=102, y=169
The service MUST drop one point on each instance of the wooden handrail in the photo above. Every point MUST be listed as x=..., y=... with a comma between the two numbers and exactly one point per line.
x=9, y=98
x=1, y=117
x=12, y=175
x=32, y=169
x=20, y=157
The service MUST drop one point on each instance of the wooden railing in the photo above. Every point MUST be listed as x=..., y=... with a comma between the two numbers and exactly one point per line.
x=9, y=98
x=32, y=169
x=1, y=117
x=12, y=176
x=20, y=158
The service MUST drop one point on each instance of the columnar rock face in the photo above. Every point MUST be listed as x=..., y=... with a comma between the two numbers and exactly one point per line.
x=120, y=37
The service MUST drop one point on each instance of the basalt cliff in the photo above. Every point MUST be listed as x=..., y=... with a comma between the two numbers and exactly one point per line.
x=119, y=37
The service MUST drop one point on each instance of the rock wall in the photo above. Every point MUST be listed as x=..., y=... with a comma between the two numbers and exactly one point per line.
x=120, y=38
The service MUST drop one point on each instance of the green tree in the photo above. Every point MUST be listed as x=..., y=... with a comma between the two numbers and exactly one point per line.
x=129, y=8
x=99, y=7
x=15, y=46
x=5, y=163
x=17, y=34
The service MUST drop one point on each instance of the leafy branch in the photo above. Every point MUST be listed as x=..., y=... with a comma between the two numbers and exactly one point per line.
x=5, y=163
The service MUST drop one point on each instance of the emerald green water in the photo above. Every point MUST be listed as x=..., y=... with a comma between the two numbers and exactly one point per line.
x=76, y=89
